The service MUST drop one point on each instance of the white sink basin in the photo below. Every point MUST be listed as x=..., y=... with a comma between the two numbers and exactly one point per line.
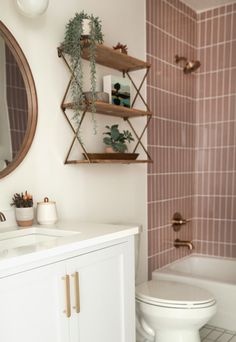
x=30, y=237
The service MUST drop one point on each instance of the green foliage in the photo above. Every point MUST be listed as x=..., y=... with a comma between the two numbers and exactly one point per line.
x=73, y=45
x=22, y=200
x=116, y=139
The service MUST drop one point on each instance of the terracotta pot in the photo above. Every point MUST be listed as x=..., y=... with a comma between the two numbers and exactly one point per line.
x=24, y=216
x=109, y=149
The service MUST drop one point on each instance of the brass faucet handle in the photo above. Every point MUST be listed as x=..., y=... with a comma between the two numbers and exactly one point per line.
x=2, y=217
x=180, y=222
x=177, y=221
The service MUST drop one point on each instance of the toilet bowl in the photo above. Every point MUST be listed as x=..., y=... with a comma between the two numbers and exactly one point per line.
x=173, y=312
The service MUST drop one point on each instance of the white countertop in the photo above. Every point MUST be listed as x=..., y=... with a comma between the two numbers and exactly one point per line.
x=87, y=235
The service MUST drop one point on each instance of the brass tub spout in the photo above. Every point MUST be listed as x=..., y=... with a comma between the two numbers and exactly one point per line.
x=183, y=243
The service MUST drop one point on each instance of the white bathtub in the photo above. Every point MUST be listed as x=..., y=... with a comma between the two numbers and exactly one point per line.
x=216, y=275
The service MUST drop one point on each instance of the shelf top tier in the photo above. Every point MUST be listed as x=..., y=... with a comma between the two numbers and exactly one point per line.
x=113, y=110
x=114, y=59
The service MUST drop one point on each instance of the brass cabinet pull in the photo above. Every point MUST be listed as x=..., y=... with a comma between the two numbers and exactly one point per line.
x=77, y=292
x=67, y=287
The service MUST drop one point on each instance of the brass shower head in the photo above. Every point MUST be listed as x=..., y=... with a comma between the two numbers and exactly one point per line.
x=189, y=66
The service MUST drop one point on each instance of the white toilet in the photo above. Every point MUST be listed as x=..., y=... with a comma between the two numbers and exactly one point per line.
x=173, y=312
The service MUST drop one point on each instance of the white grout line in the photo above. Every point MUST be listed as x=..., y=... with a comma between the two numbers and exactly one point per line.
x=165, y=62
x=182, y=12
x=157, y=117
x=159, y=227
x=215, y=44
x=191, y=98
x=189, y=173
x=213, y=195
x=222, y=211
x=214, y=97
x=162, y=252
x=215, y=17
x=171, y=93
x=174, y=147
x=170, y=35
x=193, y=196
x=215, y=242
x=229, y=102
x=230, y=121
x=170, y=199
x=203, y=148
x=215, y=71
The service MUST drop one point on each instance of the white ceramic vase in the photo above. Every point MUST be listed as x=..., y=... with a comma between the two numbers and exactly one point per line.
x=46, y=212
x=86, y=27
x=24, y=216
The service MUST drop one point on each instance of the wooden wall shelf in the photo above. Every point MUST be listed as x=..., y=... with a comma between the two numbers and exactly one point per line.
x=113, y=110
x=107, y=161
x=114, y=59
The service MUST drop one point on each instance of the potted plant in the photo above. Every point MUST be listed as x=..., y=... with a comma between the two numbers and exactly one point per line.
x=115, y=140
x=24, y=210
x=82, y=31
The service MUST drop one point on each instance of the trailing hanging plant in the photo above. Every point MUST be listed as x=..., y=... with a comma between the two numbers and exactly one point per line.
x=73, y=44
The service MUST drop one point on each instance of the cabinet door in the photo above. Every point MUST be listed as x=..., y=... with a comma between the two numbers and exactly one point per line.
x=32, y=304
x=106, y=292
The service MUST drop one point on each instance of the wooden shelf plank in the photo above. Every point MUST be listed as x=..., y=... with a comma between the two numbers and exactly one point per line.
x=107, y=161
x=113, y=110
x=114, y=59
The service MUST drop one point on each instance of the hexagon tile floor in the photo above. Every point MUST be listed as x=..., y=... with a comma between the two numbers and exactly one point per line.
x=213, y=334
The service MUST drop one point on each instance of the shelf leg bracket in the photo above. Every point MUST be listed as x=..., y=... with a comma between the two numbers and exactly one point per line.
x=138, y=89
x=139, y=142
x=76, y=132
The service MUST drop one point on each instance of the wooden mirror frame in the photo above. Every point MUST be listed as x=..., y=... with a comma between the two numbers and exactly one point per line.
x=31, y=98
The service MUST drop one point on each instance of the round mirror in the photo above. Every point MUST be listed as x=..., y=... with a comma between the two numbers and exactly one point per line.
x=18, y=103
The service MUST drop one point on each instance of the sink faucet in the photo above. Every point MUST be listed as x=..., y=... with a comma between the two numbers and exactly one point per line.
x=183, y=243
x=2, y=217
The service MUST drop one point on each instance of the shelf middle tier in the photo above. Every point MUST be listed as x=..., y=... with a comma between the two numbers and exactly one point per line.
x=113, y=110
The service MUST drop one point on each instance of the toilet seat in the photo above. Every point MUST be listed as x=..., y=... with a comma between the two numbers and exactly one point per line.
x=173, y=295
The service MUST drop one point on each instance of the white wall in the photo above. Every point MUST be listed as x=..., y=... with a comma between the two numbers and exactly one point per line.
x=103, y=193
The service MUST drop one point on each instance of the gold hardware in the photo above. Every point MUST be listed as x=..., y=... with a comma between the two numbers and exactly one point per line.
x=68, y=304
x=180, y=222
x=77, y=292
x=2, y=217
x=177, y=221
x=189, y=66
x=183, y=243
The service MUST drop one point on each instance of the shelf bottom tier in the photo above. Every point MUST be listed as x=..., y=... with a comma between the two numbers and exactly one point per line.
x=107, y=161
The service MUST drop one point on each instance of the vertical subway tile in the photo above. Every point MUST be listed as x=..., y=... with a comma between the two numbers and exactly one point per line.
x=171, y=93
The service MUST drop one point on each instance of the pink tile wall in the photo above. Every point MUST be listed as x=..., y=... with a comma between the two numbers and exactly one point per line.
x=17, y=102
x=193, y=132
x=215, y=181
x=171, y=30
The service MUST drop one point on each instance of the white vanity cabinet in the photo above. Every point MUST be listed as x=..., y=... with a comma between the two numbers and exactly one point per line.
x=85, y=298
x=30, y=306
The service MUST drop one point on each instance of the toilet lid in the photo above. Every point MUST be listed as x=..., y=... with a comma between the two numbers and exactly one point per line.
x=173, y=294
